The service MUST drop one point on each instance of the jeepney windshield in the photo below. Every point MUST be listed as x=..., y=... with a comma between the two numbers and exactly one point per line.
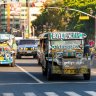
x=66, y=44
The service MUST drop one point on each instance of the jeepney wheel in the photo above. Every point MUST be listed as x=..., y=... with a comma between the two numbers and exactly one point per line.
x=44, y=71
x=87, y=76
x=49, y=72
x=13, y=63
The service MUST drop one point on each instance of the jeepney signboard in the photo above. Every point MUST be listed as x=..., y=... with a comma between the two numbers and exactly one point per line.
x=67, y=40
x=6, y=36
x=66, y=35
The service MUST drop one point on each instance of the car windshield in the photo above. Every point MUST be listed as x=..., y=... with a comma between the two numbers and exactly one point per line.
x=66, y=44
x=22, y=42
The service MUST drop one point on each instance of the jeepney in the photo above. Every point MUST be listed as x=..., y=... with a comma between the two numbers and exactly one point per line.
x=7, y=54
x=63, y=53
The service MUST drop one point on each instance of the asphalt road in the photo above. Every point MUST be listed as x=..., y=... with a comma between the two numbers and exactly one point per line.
x=26, y=79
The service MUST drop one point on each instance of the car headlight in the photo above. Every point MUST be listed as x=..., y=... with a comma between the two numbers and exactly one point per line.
x=21, y=48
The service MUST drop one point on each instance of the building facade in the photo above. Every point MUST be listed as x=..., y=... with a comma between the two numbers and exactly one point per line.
x=16, y=16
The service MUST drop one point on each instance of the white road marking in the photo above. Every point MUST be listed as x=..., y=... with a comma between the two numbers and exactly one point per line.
x=92, y=93
x=30, y=94
x=85, y=82
x=71, y=93
x=51, y=94
x=32, y=76
x=68, y=93
x=8, y=94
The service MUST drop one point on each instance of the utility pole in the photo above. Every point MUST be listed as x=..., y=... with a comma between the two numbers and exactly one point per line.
x=28, y=15
x=95, y=30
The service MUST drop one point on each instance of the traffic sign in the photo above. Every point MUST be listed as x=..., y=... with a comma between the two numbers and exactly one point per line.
x=84, y=17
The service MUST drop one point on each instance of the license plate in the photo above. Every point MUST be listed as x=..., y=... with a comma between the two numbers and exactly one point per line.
x=28, y=51
x=69, y=71
x=1, y=58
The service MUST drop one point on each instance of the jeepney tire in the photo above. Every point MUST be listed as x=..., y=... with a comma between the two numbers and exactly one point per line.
x=49, y=72
x=44, y=71
x=87, y=76
x=13, y=63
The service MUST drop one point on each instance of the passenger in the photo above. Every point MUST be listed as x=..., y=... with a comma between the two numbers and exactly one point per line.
x=87, y=51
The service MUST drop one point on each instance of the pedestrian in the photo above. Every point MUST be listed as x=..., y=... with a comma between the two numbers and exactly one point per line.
x=87, y=51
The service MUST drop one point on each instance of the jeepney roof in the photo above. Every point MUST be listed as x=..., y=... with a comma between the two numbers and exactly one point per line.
x=63, y=35
x=6, y=36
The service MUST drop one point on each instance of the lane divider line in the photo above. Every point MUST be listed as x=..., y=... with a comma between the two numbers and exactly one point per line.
x=32, y=76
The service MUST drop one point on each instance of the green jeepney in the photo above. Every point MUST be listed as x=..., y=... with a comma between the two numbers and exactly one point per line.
x=63, y=53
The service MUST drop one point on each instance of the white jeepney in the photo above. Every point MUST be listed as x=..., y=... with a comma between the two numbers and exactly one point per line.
x=63, y=53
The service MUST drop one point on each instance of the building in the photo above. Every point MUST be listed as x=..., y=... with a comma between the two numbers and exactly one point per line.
x=16, y=16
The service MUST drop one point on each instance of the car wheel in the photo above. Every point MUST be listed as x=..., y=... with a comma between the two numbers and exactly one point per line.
x=18, y=56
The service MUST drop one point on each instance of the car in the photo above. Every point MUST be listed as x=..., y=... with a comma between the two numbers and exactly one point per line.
x=27, y=47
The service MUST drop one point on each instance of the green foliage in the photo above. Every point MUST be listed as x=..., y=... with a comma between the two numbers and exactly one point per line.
x=63, y=19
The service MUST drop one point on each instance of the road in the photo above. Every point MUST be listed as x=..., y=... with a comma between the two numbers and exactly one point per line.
x=26, y=79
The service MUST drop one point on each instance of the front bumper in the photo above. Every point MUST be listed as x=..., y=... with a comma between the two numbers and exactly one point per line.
x=25, y=53
x=6, y=62
x=70, y=70
x=71, y=66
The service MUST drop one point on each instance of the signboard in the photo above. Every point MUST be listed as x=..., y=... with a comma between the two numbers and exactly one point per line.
x=66, y=35
x=84, y=17
x=6, y=36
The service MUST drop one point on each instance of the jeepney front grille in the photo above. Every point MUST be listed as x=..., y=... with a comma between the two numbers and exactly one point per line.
x=29, y=48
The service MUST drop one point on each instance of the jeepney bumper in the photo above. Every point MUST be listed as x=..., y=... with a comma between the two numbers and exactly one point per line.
x=73, y=66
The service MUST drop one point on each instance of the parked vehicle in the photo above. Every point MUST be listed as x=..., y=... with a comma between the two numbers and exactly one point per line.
x=27, y=47
x=7, y=53
x=63, y=53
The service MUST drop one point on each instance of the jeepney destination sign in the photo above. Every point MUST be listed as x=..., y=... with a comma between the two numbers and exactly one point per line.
x=67, y=35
